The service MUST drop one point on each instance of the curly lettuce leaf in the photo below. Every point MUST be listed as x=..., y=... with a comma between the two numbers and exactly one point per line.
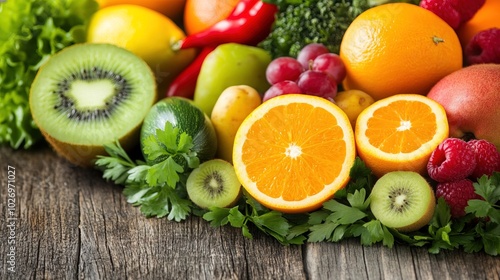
x=30, y=32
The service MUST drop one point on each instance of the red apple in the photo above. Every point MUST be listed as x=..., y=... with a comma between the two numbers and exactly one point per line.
x=471, y=98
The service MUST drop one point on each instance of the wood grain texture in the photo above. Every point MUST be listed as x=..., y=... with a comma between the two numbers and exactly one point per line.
x=71, y=224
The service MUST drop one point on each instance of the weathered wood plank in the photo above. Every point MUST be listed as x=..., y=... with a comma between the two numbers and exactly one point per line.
x=349, y=260
x=71, y=224
x=47, y=211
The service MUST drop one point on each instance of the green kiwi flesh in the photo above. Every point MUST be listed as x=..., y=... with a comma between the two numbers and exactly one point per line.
x=213, y=183
x=403, y=200
x=88, y=95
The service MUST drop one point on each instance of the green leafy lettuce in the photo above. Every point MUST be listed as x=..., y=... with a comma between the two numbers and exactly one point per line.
x=30, y=32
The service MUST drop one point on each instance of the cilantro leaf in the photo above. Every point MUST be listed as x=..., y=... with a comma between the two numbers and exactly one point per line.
x=116, y=166
x=165, y=172
x=480, y=208
x=374, y=233
x=160, y=202
x=158, y=186
x=270, y=222
x=321, y=232
x=343, y=214
x=273, y=222
x=217, y=216
x=236, y=218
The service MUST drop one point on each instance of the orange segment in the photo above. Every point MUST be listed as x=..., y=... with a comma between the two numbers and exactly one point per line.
x=294, y=152
x=400, y=132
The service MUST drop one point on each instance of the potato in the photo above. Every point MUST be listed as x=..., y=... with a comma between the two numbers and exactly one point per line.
x=234, y=104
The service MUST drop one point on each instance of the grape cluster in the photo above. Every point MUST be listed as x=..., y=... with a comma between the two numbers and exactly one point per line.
x=315, y=71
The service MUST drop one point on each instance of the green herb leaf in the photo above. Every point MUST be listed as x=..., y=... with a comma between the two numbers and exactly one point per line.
x=374, y=233
x=217, y=216
x=165, y=172
x=343, y=214
x=273, y=221
x=236, y=218
x=115, y=167
x=321, y=232
x=158, y=188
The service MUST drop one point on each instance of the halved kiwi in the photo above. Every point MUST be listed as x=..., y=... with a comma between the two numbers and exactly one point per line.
x=88, y=95
x=213, y=183
x=403, y=200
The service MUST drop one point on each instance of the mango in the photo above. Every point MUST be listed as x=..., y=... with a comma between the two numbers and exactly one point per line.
x=234, y=104
x=229, y=65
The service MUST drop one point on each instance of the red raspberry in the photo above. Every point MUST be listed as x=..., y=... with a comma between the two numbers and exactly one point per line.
x=454, y=12
x=452, y=160
x=457, y=194
x=484, y=47
x=487, y=158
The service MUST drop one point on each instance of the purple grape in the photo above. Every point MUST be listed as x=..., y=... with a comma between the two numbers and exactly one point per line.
x=332, y=64
x=309, y=52
x=317, y=83
x=283, y=87
x=282, y=69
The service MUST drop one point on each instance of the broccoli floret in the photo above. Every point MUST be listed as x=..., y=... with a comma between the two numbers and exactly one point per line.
x=299, y=23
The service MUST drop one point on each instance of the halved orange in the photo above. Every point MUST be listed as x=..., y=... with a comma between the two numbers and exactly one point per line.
x=293, y=152
x=400, y=132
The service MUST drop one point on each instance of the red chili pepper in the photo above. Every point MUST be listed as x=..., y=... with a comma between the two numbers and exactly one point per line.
x=185, y=83
x=249, y=23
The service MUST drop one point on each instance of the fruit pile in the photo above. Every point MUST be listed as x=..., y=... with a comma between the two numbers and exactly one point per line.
x=395, y=137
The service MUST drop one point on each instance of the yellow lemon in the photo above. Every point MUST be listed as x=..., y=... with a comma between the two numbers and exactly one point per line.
x=146, y=33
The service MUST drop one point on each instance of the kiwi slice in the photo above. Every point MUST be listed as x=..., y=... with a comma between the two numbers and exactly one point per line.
x=213, y=183
x=403, y=200
x=88, y=95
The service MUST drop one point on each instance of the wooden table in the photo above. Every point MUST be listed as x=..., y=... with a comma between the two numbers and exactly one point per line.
x=72, y=224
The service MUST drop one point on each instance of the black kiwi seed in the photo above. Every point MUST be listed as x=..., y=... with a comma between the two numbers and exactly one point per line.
x=398, y=192
x=65, y=104
x=214, y=184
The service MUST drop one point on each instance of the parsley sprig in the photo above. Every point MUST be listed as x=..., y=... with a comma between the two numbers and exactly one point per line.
x=273, y=223
x=158, y=185
x=348, y=215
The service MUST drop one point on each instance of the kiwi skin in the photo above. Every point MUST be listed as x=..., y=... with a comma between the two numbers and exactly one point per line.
x=84, y=154
x=202, y=197
x=380, y=196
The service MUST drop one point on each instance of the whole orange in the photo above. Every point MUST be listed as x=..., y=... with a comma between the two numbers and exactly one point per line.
x=171, y=8
x=201, y=14
x=398, y=48
x=487, y=17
